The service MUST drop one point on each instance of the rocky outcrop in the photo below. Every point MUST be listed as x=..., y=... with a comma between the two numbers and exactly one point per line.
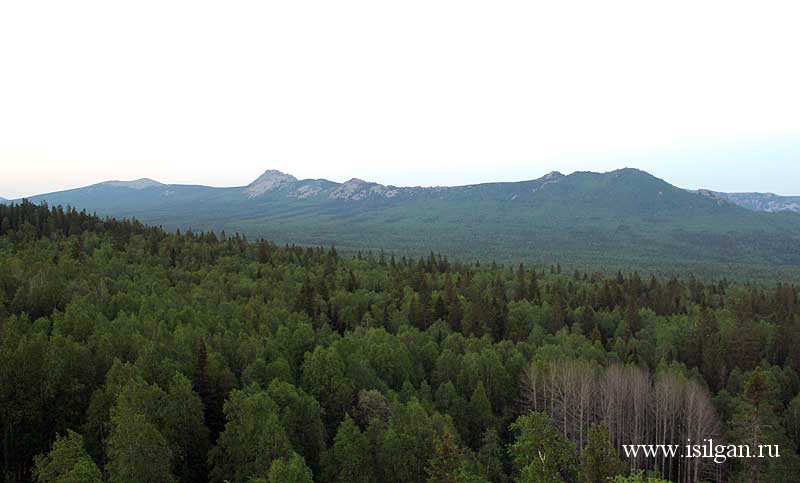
x=767, y=202
x=269, y=181
x=357, y=189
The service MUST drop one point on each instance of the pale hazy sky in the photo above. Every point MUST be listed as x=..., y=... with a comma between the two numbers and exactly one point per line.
x=701, y=93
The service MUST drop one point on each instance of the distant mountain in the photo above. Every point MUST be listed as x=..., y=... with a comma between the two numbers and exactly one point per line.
x=2, y=199
x=768, y=202
x=623, y=218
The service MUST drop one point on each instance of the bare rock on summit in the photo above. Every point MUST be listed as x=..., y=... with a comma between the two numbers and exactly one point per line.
x=552, y=176
x=353, y=189
x=272, y=179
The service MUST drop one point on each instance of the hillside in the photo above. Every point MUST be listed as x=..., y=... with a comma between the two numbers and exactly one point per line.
x=625, y=218
x=155, y=357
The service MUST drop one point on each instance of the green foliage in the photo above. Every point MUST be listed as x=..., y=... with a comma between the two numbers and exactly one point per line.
x=480, y=413
x=67, y=462
x=185, y=430
x=324, y=377
x=301, y=419
x=187, y=357
x=290, y=470
x=136, y=450
x=253, y=438
x=349, y=455
x=540, y=453
x=408, y=443
x=600, y=460
x=638, y=477
x=450, y=463
x=491, y=457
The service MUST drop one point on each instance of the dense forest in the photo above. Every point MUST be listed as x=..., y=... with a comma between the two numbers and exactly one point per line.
x=130, y=354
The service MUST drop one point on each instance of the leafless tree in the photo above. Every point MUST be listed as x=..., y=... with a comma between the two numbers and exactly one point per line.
x=665, y=408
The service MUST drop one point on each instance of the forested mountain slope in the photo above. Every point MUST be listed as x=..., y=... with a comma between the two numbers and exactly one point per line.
x=131, y=354
x=624, y=218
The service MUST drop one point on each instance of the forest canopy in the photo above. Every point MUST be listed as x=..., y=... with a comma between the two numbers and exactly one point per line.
x=130, y=354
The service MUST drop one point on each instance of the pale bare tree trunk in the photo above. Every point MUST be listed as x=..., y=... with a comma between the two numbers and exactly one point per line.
x=638, y=408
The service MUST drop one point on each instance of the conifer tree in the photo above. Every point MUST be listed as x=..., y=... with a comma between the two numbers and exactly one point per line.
x=480, y=414
x=521, y=284
x=600, y=460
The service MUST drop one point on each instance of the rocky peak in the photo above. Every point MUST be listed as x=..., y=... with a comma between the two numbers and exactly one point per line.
x=355, y=189
x=552, y=176
x=549, y=178
x=718, y=197
x=272, y=179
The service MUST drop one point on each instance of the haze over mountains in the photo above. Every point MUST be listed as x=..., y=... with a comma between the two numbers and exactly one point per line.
x=625, y=218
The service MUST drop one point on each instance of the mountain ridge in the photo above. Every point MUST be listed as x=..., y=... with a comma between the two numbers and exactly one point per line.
x=356, y=189
x=621, y=218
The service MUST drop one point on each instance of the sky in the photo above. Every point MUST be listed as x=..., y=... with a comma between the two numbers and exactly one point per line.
x=701, y=94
